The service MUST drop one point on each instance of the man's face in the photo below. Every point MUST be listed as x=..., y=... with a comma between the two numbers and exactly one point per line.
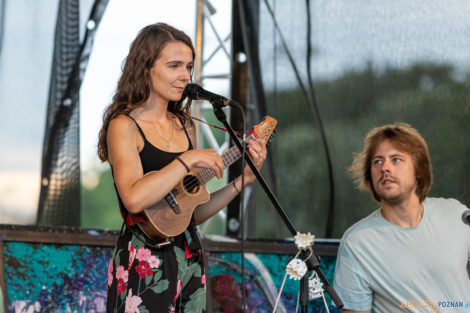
x=393, y=174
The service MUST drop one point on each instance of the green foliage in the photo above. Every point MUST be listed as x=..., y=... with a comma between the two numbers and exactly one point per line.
x=100, y=208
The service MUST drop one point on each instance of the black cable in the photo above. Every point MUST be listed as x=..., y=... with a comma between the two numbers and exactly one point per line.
x=272, y=159
x=313, y=108
x=291, y=59
x=242, y=212
x=275, y=62
x=331, y=211
x=279, y=165
x=309, y=51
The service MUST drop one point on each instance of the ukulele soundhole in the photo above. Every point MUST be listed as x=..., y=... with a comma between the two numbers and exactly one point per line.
x=191, y=184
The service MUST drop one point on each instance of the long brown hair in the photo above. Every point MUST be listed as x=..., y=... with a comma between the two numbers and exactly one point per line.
x=405, y=138
x=134, y=85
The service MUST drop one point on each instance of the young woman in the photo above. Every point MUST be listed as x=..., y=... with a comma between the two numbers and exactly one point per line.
x=148, y=138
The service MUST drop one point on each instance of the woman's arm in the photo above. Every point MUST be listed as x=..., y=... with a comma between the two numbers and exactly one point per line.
x=219, y=199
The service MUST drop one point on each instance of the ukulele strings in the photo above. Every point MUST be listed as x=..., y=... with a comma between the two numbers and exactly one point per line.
x=205, y=174
x=202, y=176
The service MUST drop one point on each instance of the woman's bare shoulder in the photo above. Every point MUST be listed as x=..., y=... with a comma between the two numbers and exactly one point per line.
x=122, y=124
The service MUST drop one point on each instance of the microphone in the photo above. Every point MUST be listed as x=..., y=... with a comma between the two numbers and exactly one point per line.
x=466, y=217
x=196, y=92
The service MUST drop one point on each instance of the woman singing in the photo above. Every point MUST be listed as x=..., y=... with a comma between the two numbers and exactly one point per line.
x=150, y=142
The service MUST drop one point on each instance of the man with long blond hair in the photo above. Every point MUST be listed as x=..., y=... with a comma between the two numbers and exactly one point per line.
x=412, y=253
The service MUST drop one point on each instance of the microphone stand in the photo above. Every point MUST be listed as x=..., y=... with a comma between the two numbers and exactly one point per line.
x=313, y=261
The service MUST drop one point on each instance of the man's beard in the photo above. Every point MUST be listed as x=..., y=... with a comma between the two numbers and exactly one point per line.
x=399, y=197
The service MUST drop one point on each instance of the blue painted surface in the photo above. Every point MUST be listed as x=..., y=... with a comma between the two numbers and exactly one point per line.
x=73, y=278
x=55, y=278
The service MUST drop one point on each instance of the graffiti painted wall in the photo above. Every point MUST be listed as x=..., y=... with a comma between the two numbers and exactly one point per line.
x=73, y=278
x=55, y=278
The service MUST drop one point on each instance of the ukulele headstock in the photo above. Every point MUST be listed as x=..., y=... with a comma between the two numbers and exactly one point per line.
x=265, y=129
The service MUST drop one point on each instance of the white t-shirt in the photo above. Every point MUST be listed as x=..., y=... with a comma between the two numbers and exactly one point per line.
x=395, y=269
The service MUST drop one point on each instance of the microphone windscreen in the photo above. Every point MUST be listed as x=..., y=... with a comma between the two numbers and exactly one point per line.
x=191, y=91
x=466, y=217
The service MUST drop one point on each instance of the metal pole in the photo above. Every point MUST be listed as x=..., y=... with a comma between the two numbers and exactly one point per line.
x=196, y=109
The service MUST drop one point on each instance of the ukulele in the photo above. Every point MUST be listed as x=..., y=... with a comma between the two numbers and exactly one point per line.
x=171, y=216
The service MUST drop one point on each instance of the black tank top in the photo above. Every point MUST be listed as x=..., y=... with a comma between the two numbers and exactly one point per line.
x=154, y=159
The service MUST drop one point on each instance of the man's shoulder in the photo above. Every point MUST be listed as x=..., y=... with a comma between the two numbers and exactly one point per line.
x=363, y=227
x=443, y=204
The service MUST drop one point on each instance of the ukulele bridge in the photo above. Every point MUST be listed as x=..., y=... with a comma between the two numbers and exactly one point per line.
x=171, y=199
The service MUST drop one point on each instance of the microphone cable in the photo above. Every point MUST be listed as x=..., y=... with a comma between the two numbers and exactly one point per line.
x=242, y=209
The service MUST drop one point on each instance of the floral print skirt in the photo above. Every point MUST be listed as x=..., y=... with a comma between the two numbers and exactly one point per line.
x=145, y=279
